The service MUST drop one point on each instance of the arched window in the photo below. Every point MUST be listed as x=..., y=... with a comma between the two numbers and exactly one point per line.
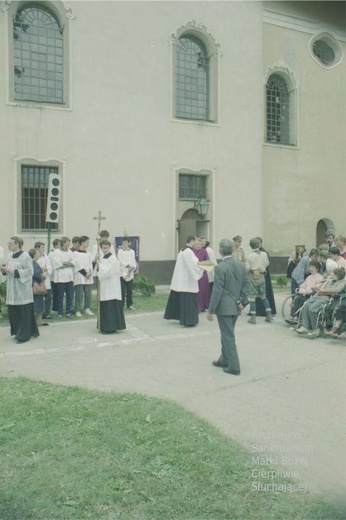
x=278, y=110
x=192, y=79
x=38, y=55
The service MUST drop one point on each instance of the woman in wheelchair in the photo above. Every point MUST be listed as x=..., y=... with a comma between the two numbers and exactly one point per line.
x=334, y=285
x=307, y=288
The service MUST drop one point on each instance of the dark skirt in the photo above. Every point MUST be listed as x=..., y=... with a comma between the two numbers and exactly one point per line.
x=22, y=321
x=260, y=310
x=111, y=316
x=39, y=303
x=182, y=306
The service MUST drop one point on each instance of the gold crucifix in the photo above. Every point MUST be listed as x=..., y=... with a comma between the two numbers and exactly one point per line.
x=99, y=218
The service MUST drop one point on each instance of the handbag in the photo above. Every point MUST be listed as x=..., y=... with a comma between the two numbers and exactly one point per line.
x=39, y=289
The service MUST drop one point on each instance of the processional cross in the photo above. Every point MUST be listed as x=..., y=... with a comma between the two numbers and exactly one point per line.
x=99, y=217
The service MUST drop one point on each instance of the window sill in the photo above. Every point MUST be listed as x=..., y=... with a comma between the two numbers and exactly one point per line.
x=198, y=122
x=29, y=104
x=282, y=145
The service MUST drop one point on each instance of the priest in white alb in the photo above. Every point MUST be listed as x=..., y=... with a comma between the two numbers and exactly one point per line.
x=19, y=296
x=182, y=300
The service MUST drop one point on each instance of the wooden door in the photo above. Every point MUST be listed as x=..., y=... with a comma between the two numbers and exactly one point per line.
x=186, y=227
x=321, y=228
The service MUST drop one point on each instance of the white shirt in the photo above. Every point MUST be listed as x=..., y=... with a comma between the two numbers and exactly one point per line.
x=83, y=261
x=341, y=262
x=126, y=257
x=46, y=267
x=212, y=258
x=62, y=274
x=331, y=265
x=257, y=261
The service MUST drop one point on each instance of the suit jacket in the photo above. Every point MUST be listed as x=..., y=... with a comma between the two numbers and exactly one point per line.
x=231, y=284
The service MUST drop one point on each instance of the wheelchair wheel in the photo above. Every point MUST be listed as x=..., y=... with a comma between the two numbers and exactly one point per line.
x=326, y=316
x=286, y=310
x=333, y=317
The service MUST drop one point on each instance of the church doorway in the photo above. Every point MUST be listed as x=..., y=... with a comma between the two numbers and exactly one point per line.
x=191, y=224
x=322, y=226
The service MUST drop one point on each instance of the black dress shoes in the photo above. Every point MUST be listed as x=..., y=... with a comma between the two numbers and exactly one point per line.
x=219, y=363
x=230, y=371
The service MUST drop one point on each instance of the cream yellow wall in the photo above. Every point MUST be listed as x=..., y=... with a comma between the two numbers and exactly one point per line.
x=118, y=142
x=307, y=182
x=119, y=147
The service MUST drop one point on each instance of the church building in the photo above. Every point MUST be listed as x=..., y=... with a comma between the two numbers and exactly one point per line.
x=215, y=118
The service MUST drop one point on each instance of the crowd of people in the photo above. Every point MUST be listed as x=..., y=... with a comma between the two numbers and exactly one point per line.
x=318, y=278
x=240, y=279
x=41, y=285
x=235, y=282
x=194, y=275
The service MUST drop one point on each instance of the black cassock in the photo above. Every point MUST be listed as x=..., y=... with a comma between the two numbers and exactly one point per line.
x=260, y=310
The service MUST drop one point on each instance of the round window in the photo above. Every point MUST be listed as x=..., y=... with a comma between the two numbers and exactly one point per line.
x=325, y=49
x=323, y=52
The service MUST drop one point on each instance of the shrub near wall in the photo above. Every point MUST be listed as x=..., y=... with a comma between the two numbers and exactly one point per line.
x=144, y=285
x=3, y=300
x=279, y=280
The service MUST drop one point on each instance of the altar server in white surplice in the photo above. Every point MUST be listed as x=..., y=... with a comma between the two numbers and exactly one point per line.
x=19, y=295
x=63, y=263
x=104, y=235
x=111, y=313
x=83, y=277
x=182, y=300
x=128, y=266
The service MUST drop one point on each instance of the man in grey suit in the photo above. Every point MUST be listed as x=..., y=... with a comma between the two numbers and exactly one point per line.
x=229, y=297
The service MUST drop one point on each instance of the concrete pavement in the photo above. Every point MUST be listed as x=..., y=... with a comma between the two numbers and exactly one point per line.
x=287, y=406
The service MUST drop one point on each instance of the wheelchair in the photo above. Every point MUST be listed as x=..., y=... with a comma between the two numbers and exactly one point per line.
x=327, y=315
x=292, y=317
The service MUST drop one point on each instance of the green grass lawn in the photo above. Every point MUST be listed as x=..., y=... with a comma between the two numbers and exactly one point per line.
x=72, y=454
x=155, y=302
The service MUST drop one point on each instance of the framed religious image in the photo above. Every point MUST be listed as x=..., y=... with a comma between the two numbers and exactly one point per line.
x=299, y=251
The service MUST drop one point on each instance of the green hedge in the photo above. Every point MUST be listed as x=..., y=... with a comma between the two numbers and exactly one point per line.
x=144, y=285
